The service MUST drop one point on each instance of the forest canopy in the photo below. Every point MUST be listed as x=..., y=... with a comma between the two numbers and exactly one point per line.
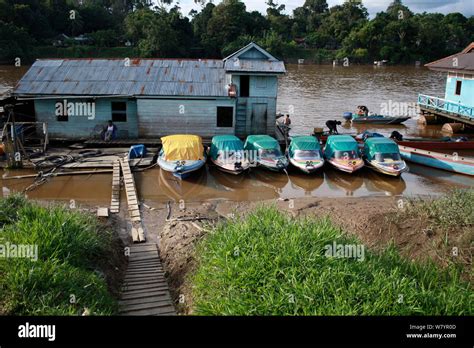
x=315, y=31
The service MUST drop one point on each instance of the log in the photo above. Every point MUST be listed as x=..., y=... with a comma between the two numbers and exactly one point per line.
x=452, y=128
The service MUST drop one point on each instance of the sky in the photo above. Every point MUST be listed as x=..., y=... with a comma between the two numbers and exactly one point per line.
x=466, y=7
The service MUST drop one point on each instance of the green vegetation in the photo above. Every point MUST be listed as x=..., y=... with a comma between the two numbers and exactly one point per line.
x=67, y=278
x=271, y=264
x=345, y=30
x=456, y=209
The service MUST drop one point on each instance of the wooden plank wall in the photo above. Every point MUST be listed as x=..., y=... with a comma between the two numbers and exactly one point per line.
x=80, y=126
x=164, y=117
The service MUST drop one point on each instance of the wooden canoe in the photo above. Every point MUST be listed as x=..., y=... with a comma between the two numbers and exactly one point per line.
x=452, y=163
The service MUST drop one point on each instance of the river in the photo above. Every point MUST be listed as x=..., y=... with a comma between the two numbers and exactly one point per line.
x=312, y=94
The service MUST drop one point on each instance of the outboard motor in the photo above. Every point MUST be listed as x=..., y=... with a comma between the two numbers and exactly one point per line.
x=396, y=135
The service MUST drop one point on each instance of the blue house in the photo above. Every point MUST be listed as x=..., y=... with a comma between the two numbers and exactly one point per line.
x=150, y=98
x=458, y=101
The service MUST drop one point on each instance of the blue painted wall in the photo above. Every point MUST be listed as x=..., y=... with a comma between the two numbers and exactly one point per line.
x=158, y=117
x=467, y=91
x=263, y=90
x=82, y=126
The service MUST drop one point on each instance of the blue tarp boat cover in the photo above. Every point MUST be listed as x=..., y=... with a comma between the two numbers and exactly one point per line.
x=225, y=143
x=308, y=143
x=137, y=151
x=340, y=143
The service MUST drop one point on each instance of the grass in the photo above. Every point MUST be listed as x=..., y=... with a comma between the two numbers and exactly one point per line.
x=456, y=209
x=271, y=264
x=67, y=277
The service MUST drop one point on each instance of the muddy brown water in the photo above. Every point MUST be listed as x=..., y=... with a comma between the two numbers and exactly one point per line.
x=313, y=94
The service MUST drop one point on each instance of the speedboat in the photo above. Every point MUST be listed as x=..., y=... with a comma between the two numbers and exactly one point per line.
x=342, y=152
x=181, y=155
x=383, y=155
x=227, y=153
x=264, y=151
x=305, y=153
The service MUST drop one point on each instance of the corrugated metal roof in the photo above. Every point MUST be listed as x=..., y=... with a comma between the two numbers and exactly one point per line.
x=462, y=61
x=146, y=77
x=254, y=66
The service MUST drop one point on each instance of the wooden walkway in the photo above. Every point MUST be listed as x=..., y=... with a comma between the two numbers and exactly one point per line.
x=138, y=234
x=145, y=290
x=115, y=200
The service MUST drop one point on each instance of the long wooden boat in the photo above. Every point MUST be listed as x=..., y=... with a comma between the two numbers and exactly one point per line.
x=438, y=144
x=452, y=163
x=375, y=119
x=425, y=144
x=379, y=119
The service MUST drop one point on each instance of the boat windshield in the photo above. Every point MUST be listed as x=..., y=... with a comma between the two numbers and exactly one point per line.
x=381, y=157
x=346, y=155
x=271, y=153
x=306, y=155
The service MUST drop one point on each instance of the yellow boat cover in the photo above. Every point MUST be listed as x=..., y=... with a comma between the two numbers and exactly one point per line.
x=183, y=147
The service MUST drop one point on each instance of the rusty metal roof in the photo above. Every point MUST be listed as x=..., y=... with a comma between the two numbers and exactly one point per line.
x=134, y=77
x=254, y=66
x=459, y=62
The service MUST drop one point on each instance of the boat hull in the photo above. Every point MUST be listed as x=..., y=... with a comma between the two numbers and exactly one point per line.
x=273, y=165
x=182, y=171
x=230, y=168
x=457, y=164
x=317, y=164
x=347, y=166
x=437, y=145
x=380, y=120
x=374, y=165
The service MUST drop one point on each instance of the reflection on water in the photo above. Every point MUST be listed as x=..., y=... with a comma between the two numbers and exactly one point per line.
x=317, y=93
x=211, y=184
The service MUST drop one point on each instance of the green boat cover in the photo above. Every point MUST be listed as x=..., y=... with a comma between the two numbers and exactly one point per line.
x=261, y=142
x=225, y=143
x=307, y=143
x=372, y=146
x=340, y=143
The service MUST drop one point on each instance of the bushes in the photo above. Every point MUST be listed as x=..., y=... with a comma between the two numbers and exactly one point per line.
x=66, y=278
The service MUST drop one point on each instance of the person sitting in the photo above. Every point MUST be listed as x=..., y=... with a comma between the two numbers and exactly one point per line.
x=110, y=131
x=362, y=111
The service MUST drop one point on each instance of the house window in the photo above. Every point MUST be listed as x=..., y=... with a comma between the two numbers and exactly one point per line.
x=244, y=85
x=119, y=112
x=225, y=116
x=458, y=87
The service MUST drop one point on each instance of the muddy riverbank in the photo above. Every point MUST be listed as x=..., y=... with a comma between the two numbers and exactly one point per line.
x=374, y=220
